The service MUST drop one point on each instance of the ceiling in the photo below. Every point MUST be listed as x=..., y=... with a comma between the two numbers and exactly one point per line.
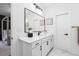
x=45, y=6
x=5, y=9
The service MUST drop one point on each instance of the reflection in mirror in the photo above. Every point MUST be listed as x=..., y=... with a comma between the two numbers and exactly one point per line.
x=33, y=21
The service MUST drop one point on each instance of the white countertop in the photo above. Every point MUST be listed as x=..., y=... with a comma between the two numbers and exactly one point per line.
x=34, y=38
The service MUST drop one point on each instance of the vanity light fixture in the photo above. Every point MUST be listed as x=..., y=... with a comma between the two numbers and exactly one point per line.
x=37, y=6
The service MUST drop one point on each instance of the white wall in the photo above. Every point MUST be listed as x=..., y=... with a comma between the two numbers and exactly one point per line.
x=73, y=10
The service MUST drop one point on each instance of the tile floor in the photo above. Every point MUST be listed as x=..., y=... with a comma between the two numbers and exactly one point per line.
x=60, y=52
x=4, y=49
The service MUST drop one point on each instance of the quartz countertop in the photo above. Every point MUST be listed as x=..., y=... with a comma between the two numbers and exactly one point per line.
x=34, y=38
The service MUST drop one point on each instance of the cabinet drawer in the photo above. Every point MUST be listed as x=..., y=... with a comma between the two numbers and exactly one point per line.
x=47, y=38
x=36, y=43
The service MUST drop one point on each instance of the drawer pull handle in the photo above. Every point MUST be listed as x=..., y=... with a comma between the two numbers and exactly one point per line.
x=40, y=48
x=47, y=42
x=37, y=44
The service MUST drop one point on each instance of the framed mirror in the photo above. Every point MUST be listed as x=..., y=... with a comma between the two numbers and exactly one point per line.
x=33, y=21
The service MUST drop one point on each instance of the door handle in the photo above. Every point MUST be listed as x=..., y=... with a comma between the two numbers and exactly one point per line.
x=66, y=34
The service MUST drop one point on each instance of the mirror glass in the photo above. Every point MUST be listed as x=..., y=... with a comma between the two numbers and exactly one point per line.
x=33, y=21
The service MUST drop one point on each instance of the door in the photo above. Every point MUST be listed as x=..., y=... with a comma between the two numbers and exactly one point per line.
x=63, y=31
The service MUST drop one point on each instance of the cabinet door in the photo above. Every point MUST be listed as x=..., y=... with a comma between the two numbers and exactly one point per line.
x=45, y=47
x=36, y=51
x=27, y=50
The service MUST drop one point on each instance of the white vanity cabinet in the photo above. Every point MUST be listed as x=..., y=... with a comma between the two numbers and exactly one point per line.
x=33, y=49
x=39, y=47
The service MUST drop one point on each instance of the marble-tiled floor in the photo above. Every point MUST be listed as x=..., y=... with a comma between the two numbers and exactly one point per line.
x=4, y=49
x=60, y=52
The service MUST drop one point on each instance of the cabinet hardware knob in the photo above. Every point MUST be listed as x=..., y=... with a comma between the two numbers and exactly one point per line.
x=37, y=44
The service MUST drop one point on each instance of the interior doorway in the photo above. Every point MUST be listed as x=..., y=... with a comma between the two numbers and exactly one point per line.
x=1, y=17
x=5, y=29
